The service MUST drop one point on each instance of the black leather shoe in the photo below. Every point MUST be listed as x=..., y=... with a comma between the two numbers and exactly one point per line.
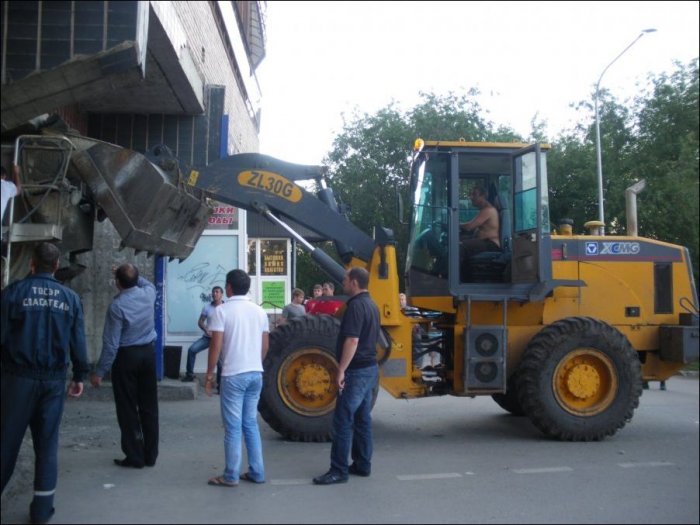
x=126, y=463
x=357, y=472
x=329, y=478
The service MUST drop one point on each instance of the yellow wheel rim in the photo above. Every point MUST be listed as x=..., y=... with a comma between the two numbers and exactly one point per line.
x=306, y=382
x=585, y=382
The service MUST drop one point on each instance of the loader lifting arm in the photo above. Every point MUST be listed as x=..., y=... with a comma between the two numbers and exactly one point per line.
x=253, y=181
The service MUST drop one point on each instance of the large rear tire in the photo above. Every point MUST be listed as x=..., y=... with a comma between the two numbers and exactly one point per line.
x=298, y=396
x=579, y=380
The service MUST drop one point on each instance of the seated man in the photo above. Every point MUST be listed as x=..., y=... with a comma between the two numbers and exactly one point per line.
x=484, y=227
x=217, y=294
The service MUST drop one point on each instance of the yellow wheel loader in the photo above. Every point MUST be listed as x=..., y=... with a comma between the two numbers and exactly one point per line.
x=560, y=328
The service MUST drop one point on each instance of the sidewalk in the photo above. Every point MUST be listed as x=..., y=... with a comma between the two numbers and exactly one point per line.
x=90, y=424
x=168, y=390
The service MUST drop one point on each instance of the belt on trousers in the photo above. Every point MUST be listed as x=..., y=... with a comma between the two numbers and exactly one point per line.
x=138, y=347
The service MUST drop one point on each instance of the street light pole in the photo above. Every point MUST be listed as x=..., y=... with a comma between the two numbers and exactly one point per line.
x=599, y=165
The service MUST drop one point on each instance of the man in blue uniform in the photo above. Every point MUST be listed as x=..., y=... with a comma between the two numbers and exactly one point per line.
x=357, y=377
x=42, y=328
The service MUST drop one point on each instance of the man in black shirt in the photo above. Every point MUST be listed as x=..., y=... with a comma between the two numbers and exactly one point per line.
x=358, y=373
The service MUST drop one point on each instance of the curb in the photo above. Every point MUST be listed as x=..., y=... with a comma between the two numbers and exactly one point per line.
x=168, y=390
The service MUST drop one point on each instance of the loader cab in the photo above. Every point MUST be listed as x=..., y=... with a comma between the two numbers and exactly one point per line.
x=514, y=178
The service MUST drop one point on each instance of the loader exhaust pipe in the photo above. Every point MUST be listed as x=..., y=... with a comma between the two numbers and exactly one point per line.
x=631, y=207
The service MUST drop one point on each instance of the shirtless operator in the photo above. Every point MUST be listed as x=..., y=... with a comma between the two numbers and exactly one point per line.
x=484, y=225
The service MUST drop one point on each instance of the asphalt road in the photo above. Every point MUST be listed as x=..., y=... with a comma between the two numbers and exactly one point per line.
x=438, y=460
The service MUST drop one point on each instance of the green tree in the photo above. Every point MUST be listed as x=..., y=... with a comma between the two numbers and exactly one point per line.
x=572, y=168
x=653, y=138
x=666, y=155
x=572, y=182
x=308, y=272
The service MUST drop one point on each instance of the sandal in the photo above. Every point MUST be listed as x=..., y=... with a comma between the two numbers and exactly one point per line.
x=219, y=481
x=246, y=477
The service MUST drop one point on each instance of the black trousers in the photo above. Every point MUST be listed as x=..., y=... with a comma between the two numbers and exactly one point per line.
x=471, y=247
x=136, y=398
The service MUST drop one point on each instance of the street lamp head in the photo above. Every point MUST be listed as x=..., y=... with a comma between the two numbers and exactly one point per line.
x=650, y=30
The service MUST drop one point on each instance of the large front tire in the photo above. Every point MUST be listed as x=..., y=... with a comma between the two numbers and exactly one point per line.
x=579, y=380
x=298, y=396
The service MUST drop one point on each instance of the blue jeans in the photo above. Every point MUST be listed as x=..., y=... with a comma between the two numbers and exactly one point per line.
x=352, y=421
x=39, y=405
x=200, y=344
x=240, y=394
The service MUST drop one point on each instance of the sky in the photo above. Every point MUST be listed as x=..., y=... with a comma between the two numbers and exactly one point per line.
x=326, y=59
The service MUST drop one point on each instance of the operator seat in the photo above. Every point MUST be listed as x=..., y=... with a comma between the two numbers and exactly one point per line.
x=490, y=267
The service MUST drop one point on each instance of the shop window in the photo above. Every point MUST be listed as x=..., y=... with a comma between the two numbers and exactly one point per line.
x=269, y=266
x=189, y=282
x=252, y=257
x=273, y=257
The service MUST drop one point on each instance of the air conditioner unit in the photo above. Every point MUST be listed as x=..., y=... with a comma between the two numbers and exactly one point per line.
x=485, y=358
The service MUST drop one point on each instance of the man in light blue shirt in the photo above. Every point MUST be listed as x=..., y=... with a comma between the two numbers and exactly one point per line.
x=128, y=349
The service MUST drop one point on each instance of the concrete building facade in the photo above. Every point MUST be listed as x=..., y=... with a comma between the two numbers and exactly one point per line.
x=137, y=74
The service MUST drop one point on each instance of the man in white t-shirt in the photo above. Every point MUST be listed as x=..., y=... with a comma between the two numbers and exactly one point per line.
x=240, y=333
x=217, y=296
x=8, y=189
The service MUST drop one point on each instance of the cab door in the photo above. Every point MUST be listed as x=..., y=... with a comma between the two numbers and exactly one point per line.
x=531, y=262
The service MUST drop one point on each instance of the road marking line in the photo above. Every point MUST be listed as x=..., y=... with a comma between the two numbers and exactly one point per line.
x=290, y=482
x=415, y=477
x=545, y=470
x=647, y=464
x=469, y=473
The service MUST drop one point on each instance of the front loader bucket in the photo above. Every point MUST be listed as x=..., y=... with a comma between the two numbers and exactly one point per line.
x=151, y=211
